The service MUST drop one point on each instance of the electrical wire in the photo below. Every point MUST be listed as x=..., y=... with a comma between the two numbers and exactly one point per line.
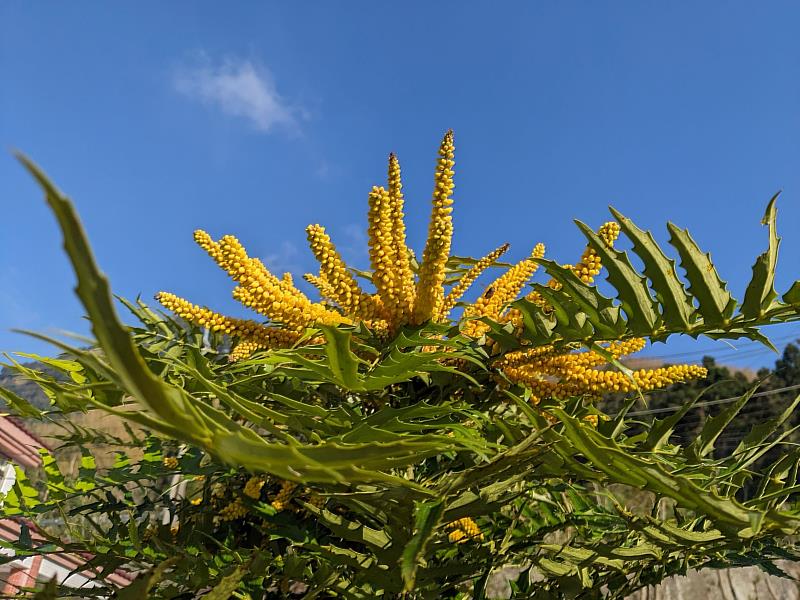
x=732, y=351
x=669, y=409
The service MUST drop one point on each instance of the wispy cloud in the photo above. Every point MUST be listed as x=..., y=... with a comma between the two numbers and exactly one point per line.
x=286, y=259
x=353, y=244
x=239, y=88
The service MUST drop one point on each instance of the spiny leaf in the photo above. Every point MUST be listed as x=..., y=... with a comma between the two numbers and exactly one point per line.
x=714, y=426
x=761, y=291
x=634, y=294
x=715, y=303
x=427, y=516
x=676, y=304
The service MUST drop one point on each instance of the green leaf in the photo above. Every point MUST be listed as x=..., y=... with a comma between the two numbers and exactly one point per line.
x=761, y=291
x=677, y=308
x=599, y=310
x=228, y=585
x=343, y=363
x=48, y=592
x=21, y=407
x=715, y=303
x=95, y=294
x=141, y=586
x=714, y=426
x=427, y=516
x=661, y=430
x=638, y=304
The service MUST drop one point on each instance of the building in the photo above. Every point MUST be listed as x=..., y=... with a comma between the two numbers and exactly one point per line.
x=19, y=447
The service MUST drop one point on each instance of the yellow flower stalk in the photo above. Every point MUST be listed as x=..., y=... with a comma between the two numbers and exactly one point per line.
x=326, y=290
x=383, y=255
x=340, y=284
x=430, y=285
x=505, y=289
x=403, y=274
x=264, y=293
x=463, y=530
x=468, y=279
x=250, y=331
x=231, y=512
x=284, y=496
x=252, y=489
x=560, y=375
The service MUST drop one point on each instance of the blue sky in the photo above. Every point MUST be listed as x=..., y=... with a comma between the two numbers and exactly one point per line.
x=259, y=118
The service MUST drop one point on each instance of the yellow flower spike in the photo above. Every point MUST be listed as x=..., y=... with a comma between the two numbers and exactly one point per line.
x=284, y=496
x=340, y=284
x=505, y=289
x=233, y=511
x=457, y=536
x=252, y=489
x=316, y=500
x=556, y=364
x=609, y=232
x=261, y=335
x=244, y=350
x=430, y=286
x=644, y=380
x=520, y=357
x=266, y=294
x=468, y=279
x=463, y=530
x=326, y=291
x=382, y=254
x=405, y=277
x=206, y=242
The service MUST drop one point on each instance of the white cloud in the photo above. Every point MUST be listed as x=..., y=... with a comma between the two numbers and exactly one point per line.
x=286, y=259
x=239, y=88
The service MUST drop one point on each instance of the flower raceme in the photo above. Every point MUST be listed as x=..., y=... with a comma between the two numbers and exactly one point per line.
x=407, y=294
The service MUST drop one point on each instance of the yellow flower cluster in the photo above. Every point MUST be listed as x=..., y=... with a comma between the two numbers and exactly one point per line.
x=170, y=462
x=252, y=489
x=232, y=511
x=551, y=374
x=503, y=290
x=468, y=279
x=253, y=336
x=273, y=298
x=590, y=264
x=383, y=255
x=284, y=496
x=602, y=381
x=338, y=283
x=404, y=276
x=316, y=500
x=430, y=288
x=464, y=529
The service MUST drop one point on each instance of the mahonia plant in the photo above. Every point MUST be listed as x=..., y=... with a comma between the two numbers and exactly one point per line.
x=403, y=297
x=395, y=439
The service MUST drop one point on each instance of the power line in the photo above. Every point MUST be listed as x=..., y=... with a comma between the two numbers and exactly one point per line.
x=744, y=347
x=668, y=409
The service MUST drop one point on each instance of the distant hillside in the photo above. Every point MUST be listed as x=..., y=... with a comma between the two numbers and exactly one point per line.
x=24, y=388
